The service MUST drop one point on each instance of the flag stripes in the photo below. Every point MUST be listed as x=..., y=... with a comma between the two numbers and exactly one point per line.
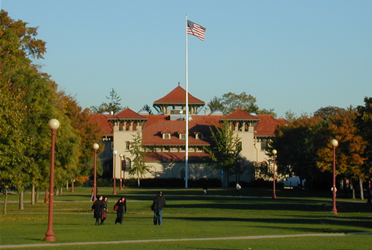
x=195, y=30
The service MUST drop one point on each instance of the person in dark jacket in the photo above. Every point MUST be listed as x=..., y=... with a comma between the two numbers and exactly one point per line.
x=157, y=206
x=105, y=210
x=121, y=209
x=97, y=207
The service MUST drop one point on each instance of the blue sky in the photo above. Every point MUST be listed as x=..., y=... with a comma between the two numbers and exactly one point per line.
x=291, y=55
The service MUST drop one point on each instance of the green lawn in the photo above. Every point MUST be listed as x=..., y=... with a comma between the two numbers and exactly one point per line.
x=191, y=215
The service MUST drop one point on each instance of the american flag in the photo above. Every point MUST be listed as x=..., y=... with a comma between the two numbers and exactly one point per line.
x=195, y=30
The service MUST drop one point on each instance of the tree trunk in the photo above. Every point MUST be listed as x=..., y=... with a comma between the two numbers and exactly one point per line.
x=138, y=182
x=361, y=188
x=5, y=200
x=46, y=200
x=37, y=196
x=352, y=188
x=21, y=207
x=67, y=185
x=33, y=194
x=369, y=192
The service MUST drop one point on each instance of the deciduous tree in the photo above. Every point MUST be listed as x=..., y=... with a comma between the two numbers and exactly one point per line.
x=224, y=149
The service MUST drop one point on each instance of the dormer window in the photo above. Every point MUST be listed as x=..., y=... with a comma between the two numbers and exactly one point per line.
x=198, y=136
x=166, y=136
x=182, y=134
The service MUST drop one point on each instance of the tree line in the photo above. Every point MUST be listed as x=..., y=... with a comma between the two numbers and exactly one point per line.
x=28, y=100
x=305, y=150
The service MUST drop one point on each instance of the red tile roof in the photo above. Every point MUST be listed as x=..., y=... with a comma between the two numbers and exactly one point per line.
x=128, y=114
x=103, y=123
x=158, y=124
x=267, y=125
x=175, y=157
x=240, y=115
x=178, y=97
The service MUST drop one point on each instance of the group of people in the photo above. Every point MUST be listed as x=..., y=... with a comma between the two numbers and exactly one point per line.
x=100, y=208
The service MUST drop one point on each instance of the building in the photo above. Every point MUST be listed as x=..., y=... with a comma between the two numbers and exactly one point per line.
x=164, y=138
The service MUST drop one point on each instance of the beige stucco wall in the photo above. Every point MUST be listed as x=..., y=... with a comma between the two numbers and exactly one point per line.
x=251, y=152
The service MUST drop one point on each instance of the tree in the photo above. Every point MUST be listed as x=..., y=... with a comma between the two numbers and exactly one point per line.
x=224, y=149
x=113, y=106
x=26, y=86
x=137, y=150
x=297, y=149
x=147, y=108
x=216, y=104
x=11, y=137
x=289, y=116
x=230, y=102
x=340, y=124
x=364, y=125
x=87, y=131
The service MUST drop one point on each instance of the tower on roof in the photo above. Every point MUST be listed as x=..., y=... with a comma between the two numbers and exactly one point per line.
x=176, y=100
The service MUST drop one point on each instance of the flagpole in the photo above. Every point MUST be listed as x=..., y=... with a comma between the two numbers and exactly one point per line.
x=187, y=110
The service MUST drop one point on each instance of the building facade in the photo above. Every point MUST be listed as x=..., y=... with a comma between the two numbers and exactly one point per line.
x=164, y=139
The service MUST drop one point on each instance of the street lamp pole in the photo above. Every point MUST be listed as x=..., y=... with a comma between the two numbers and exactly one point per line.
x=121, y=171
x=95, y=147
x=274, y=170
x=334, y=143
x=49, y=235
x=114, y=171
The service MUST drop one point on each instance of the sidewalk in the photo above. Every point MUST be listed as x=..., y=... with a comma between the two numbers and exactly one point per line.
x=186, y=239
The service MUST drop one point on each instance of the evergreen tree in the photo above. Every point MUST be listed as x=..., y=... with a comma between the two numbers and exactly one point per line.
x=112, y=106
x=137, y=150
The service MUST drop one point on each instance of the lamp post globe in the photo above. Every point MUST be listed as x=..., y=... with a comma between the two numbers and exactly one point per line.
x=95, y=146
x=53, y=124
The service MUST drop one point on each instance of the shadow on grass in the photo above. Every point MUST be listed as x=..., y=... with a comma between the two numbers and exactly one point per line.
x=279, y=205
x=295, y=221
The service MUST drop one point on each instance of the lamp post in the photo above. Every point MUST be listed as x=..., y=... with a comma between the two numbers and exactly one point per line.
x=334, y=143
x=122, y=157
x=95, y=147
x=49, y=235
x=274, y=170
x=114, y=170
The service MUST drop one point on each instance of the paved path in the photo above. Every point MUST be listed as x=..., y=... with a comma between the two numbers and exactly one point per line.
x=186, y=239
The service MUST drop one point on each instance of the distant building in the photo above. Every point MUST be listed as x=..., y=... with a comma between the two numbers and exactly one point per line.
x=164, y=137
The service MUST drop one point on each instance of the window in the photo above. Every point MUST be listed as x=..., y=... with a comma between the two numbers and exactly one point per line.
x=166, y=136
x=199, y=136
x=182, y=136
x=264, y=144
x=127, y=145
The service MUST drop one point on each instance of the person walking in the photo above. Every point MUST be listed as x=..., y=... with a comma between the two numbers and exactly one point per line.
x=157, y=206
x=97, y=207
x=121, y=208
x=105, y=210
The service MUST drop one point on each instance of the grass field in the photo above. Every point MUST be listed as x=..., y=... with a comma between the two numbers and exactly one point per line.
x=296, y=220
